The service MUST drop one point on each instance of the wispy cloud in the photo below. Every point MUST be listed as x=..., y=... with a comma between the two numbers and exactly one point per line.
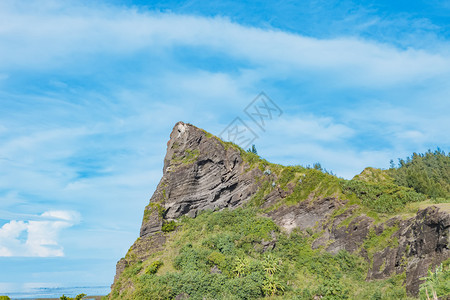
x=37, y=39
x=36, y=237
x=90, y=91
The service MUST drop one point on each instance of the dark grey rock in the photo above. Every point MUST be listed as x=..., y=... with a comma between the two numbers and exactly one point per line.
x=199, y=173
x=203, y=173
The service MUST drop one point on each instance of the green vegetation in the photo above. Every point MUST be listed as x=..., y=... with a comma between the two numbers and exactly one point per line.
x=374, y=175
x=427, y=173
x=78, y=297
x=188, y=157
x=253, y=150
x=375, y=243
x=154, y=266
x=220, y=255
x=313, y=183
x=169, y=226
x=416, y=178
x=437, y=283
x=381, y=197
x=154, y=207
x=4, y=298
x=225, y=254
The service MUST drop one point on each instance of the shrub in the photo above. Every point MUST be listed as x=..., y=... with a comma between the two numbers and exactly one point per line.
x=249, y=287
x=381, y=197
x=223, y=242
x=169, y=226
x=154, y=266
x=437, y=282
x=192, y=258
x=217, y=258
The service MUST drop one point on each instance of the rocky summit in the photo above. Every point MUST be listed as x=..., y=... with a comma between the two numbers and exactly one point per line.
x=392, y=233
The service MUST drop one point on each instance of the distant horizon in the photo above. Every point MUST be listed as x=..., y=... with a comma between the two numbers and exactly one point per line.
x=47, y=290
x=90, y=91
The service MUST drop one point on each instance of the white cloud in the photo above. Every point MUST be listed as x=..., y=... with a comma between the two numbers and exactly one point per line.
x=312, y=128
x=120, y=126
x=45, y=39
x=38, y=237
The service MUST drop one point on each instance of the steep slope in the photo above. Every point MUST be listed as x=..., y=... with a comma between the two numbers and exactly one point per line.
x=373, y=219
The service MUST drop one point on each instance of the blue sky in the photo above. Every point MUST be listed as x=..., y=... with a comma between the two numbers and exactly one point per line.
x=90, y=90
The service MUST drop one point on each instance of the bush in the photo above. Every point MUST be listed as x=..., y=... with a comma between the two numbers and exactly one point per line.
x=154, y=266
x=249, y=287
x=192, y=258
x=224, y=243
x=381, y=197
x=437, y=282
x=168, y=226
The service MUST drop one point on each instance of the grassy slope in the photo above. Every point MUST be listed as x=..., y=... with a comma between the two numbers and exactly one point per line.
x=233, y=242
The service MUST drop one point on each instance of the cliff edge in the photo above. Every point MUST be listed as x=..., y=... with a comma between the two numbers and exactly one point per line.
x=201, y=172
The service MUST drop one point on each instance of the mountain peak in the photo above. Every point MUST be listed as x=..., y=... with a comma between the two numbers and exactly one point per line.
x=364, y=216
x=200, y=172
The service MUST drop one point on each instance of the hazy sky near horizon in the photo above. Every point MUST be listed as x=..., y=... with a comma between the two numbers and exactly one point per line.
x=90, y=91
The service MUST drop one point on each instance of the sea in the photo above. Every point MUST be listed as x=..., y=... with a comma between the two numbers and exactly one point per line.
x=35, y=291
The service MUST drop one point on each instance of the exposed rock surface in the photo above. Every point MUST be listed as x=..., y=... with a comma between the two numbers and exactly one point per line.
x=420, y=242
x=201, y=172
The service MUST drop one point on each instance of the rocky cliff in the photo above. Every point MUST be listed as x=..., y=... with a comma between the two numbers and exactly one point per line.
x=201, y=172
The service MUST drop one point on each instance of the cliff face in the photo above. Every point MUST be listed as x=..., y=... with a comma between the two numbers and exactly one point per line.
x=201, y=173
x=412, y=245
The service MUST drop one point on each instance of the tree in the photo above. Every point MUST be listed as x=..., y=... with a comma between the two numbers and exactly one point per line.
x=78, y=297
x=427, y=173
x=253, y=149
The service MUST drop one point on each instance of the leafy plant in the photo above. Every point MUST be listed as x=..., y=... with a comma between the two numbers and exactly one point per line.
x=168, y=226
x=273, y=286
x=437, y=283
x=153, y=267
x=271, y=264
x=241, y=267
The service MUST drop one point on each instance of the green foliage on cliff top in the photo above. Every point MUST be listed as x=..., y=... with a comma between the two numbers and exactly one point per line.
x=377, y=191
x=230, y=254
x=382, y=197
x=427, y=173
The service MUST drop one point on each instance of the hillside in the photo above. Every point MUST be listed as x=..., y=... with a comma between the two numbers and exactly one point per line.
x=225, y=224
